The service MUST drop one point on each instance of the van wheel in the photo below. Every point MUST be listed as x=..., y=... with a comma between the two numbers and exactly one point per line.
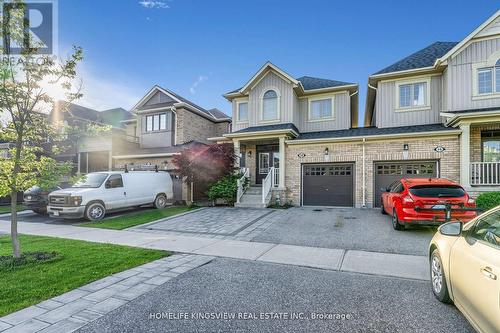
x=160, y=201
x=395, y=221
x=95, y=211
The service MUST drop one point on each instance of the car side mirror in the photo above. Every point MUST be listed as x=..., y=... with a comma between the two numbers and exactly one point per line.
x=451, y=229
x=107, y=184
x=385, y=189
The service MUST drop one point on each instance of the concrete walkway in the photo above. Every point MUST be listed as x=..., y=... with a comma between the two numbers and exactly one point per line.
x=396, y=265
x=77, y=308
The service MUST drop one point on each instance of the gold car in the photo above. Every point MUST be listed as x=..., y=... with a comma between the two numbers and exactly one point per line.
x=465, y=268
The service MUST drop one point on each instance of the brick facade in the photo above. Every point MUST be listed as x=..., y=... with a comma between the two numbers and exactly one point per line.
x=476, y=149
x=375, y=151
x=191, y=126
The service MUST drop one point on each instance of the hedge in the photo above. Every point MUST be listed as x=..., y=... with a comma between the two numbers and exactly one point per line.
x=488, y=200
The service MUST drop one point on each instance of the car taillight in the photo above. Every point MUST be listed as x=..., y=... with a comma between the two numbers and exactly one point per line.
x=408, y=201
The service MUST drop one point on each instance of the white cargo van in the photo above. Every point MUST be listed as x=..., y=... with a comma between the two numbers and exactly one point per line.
x=100, y=192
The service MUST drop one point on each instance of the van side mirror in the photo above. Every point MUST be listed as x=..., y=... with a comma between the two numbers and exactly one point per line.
x=451, y=229
x=107, y=184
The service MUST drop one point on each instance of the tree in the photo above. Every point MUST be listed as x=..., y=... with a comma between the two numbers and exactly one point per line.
x=24, y=104
x=205, y=164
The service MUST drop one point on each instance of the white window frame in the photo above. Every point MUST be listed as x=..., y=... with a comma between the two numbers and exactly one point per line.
x=476, y=67
x=238, y=120
x=278, y=105
x=426, y=106
x=320, y=98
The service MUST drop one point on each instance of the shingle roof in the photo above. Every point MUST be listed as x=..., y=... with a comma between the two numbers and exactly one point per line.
x=128, y=149
x=492, y=109
x=113, y=117
x=310, y=83
x=367, y=131
x=218, y=113
x=287, y=126
x=425, y=57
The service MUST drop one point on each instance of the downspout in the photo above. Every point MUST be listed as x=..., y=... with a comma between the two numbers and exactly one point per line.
x=370, y=86
x=175, y=125
x=364, y=174
x=354, y=93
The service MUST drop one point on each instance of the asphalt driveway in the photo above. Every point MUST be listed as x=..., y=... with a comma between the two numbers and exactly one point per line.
x=249, y=290
x=345, y=228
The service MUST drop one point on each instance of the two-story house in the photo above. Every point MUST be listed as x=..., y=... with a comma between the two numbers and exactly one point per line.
x=435, y=113
x=274, y=117
x=453, y=88
x=164, y=124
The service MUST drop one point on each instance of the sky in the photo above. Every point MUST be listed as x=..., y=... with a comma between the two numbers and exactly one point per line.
x=202, y=49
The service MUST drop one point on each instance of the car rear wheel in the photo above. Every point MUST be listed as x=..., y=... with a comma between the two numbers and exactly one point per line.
x=160, y=201
x=395, y=221
x=438, y=280
x=95, y=211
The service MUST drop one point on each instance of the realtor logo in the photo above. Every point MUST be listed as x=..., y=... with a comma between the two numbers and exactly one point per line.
x=28, y=26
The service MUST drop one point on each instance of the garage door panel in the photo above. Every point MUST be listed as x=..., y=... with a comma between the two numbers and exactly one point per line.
x=386, y=173
x=328, y=185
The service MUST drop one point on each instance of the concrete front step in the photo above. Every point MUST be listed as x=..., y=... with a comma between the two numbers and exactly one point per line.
x=250, y=205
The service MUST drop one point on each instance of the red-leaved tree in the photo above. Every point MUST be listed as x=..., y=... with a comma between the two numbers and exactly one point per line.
x=205, y=163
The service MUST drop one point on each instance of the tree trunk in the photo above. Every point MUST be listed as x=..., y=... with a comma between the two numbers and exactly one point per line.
x=16, y=247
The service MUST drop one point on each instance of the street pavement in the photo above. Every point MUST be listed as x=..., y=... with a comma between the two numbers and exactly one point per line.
x=252, y=291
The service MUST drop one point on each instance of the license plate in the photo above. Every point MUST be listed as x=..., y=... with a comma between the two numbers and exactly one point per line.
x=28, y=197
x=439, y=207
x=56, y=213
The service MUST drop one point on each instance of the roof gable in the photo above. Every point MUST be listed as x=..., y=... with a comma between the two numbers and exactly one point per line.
x=488, y=28
x=263, y=71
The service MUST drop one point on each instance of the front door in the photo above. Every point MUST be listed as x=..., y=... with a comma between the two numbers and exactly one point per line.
x=267, y=157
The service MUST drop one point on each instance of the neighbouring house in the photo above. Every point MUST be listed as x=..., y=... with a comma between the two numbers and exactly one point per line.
x=435, y=113
x=164, y=124
x=452, y=88
x=92, y=153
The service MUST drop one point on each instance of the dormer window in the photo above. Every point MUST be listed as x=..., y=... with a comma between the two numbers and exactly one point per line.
x=270, y=105
x=488, y=79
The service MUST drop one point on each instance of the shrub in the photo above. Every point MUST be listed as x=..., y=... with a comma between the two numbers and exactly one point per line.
x=225, y=188
x=488, y=200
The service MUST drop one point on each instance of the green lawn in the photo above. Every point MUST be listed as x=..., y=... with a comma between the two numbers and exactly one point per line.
x=133, y=219
x=78, y=263
x=6, y=209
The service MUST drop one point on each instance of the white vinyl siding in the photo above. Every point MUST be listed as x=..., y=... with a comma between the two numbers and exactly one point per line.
x=321, y=109
x=463, y=86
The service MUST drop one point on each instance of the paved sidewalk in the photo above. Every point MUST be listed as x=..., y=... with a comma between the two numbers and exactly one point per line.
x=77, y=308
x=377, y=263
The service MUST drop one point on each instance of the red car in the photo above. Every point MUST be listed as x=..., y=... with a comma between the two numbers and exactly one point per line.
x=420, y=201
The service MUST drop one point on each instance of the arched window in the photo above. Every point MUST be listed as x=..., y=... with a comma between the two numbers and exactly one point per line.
x=270, y=105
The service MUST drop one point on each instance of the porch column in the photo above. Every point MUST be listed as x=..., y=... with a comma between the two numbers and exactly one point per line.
x=281, y=181
x=237, y=153
x=465, y=155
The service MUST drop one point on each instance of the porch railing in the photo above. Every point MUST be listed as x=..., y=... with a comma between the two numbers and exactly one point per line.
x=268, y=183
x=485, y=173
x=241, y=183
